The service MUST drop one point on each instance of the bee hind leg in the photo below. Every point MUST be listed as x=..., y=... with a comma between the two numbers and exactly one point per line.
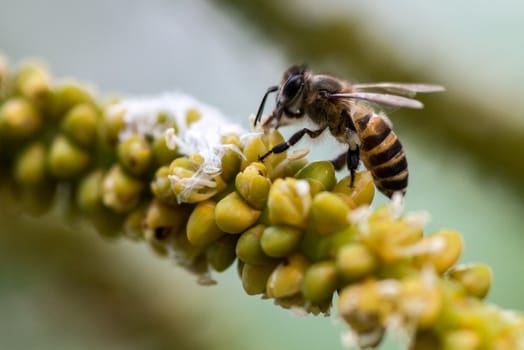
x=353, y=159
x=340, y=161
x=284, y=146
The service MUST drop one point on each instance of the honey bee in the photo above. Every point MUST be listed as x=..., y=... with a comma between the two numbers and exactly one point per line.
x=336, y=105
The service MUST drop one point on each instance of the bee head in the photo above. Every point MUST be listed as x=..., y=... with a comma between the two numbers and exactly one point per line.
x=289, y=98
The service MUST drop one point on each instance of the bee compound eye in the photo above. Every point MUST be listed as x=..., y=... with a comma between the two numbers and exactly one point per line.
x=293, y=86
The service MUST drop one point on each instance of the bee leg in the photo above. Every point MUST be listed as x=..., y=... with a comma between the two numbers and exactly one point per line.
x=339, y=161
x=353, y=158
x=292, y=140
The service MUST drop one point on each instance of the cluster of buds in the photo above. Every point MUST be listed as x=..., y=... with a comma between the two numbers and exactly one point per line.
x=175, y=174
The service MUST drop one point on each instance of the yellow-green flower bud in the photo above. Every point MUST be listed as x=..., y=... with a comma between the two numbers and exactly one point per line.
x=421, y=300
x=189, y=184
x=442, y=250
x=121, y=191
x=191, y=257
x=201, y=226
x=366, y=307
x=320, y=175
x=476, y=278
x=113, y=123
x=134, y=223
x=286, y=280
x=329, y=213
x=161, y=186
x=30, y=166
x=249, y=248
x=162, y=220
x=234, y=215
x=66, y=96
x=80, y=124
x=192, y=115
x=162, y=154
x=135, y=155
x=67, y=161
x=363, y=189
x=252, y=151
x=289, y=202
x=89, y=195
x=230, y=160
x=221, y=253
x=19, y=119
x=355, y=261
x=253, y=185
x=33, y=82
x=320, y=247
x=462, y=339
x=320, y=282
x=254, y=278
x=280, y=240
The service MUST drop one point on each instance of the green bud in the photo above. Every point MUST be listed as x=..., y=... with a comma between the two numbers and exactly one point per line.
x=134, y=223
x=444, y=249
x=461, y=339
x=113, y=123
x=289, y=202
x=163, y=154
x=421, y=301
x=234, y=215
x=32, y=81
x=253, y=149
x=230, y=160
x=162, y=220
x=121, y=191
x=253, y=185
x=355, y=261
x=221, y=253
x=201, y=226
x=161, y=186
x=188, y=183
x=364, y=307
x=68, y=95
x=329, y=213
x=280, y=240
x=30, y=166
x=192, y=115
x=89, y=195
x=361, y=193
x=255, y=278
x=135, y=154
x=249, y=249
x=476, y=278
x=320, y=247
x=19, y=119
x=286, y=280
x=67, y=161
x=320, y=175
x=80, y=124
x=320, y=282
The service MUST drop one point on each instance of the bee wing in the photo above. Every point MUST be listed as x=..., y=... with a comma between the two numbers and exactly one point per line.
x=400, y=88
x=383, y=99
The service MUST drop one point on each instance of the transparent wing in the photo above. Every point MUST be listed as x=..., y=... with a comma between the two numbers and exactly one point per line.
x=383, y=99
x=400, y=88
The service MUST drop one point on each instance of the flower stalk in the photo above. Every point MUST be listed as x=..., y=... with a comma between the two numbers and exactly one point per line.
x=175, y=174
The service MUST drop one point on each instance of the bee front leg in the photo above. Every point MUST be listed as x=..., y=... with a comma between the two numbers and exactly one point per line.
x=340, y=161
x=292, y=140
x=353, y=159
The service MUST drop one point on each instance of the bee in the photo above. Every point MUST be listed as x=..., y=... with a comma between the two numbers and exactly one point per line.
x=336, y=105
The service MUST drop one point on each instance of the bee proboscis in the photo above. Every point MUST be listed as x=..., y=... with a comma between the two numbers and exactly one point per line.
x=333, y=104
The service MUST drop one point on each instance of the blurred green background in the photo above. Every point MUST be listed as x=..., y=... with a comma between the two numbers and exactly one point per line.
x=70, y=289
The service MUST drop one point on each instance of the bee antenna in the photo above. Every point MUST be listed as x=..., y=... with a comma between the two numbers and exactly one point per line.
x=261, y=108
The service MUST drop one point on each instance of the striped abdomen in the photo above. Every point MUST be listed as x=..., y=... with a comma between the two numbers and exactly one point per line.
x=381, y=152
